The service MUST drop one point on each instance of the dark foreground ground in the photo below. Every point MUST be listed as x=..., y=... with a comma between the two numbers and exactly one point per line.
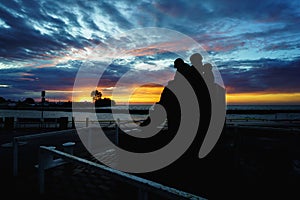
x=246, y=163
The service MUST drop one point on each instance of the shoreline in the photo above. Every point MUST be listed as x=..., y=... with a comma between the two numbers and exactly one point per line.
x=67, y=109
x=145, y=111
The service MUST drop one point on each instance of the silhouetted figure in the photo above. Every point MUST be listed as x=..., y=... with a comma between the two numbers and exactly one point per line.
x=188, y=167
x=182, y=68
x=199, y=84
x=170, y=102
x=208, y=74
x=196, y=60
x=171, y=105
x=168, y=99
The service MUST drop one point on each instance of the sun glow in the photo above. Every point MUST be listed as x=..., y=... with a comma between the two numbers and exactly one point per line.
x=146, y=94
x=263, y=98
x=151, y=94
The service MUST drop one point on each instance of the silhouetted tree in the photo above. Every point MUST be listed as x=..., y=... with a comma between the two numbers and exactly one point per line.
x=96, y=95
x=99, y=102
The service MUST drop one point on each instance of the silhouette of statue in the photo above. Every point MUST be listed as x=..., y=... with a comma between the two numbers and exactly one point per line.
x=194, y=76
x=188, y=168
x=182, y=68
x=180, y=172
x=168, y=100
x=196, y=60
x=208, y=74
x=199, y=83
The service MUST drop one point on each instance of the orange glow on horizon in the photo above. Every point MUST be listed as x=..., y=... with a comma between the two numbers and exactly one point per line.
x=146, y=95
x=263, y=98
x=141, y=95
x=151, y=94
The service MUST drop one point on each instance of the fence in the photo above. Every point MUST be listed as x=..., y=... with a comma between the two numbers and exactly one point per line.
x=56, y=123
x=46, y=161
x=144, y=186
x=17, y=141
x=88, y=134
x=20, y=122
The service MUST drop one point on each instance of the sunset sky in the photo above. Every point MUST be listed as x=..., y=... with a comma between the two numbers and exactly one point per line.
x=254, y=44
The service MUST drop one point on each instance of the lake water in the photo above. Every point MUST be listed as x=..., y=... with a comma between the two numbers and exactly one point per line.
x=81, y=116
x=287, y=115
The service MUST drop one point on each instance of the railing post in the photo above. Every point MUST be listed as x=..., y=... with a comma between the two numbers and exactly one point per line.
x=87, y=122
x=69, y=147
x=15, y=157
x=73, y=122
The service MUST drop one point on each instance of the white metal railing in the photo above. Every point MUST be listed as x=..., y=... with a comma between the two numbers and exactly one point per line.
x=26, y=138
x=19, y=139
x=144, y=186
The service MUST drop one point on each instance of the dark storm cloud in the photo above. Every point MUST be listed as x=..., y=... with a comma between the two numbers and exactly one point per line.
x=265, y=75
x=22, y=41
x=200, y=15
x=36, y=80
x=193, y=18
x=43, y=31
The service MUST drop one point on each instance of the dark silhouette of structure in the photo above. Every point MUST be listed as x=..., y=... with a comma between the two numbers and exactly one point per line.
x=99, y=102
x=182, y=171
x=170, y=102
x=195, y=76
x=188, y=168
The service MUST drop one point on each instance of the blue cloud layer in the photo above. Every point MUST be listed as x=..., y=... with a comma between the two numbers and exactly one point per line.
x=258, y=39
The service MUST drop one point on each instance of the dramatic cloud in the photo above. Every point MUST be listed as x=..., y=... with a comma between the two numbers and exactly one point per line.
x=265, y=75
x=255, y=44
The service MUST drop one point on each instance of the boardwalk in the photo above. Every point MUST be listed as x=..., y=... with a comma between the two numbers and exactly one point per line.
x=68, y=181
x=245, y=160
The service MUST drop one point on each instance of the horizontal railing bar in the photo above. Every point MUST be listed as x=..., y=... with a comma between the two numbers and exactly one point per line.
x=125, y=177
